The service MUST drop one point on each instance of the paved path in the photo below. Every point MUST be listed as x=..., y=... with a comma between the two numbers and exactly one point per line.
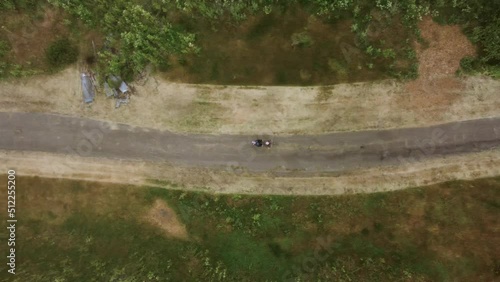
x=316, y=153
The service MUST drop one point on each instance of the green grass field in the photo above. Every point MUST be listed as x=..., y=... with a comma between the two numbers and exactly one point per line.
x=81, y=231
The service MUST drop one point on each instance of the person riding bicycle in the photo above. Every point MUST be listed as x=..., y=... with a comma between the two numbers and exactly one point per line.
x=257, y=142
x=260, y=143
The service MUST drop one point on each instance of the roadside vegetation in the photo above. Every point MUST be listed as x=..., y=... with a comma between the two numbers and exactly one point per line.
x=61, y=53
x=82, y=231
x=252, y=42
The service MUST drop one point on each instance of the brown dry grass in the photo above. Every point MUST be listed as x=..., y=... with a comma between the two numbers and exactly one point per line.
x=55, y=207
x=437, y=86
x=164, y=217
x=31, y=34
x=29, y=37
x=252, y=110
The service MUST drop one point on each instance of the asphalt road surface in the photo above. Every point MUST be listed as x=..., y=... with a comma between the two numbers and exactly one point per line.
x=316, y=153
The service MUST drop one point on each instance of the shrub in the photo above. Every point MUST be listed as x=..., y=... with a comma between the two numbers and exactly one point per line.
x=61, y=53
x=301, y=39
x=468, y=64
x=489, y=38
x=338, y=68
x=7, y=5
x=4, y=48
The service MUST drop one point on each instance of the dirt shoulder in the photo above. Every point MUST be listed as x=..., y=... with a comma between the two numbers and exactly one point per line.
x=469, y=166
x=250, y=110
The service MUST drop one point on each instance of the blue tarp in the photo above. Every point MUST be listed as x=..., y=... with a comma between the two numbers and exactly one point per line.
x=87, y=89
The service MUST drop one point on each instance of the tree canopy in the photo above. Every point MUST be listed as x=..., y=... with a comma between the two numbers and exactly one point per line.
x=136, y=34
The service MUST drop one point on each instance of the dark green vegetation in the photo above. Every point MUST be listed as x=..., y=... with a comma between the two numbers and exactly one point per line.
x=20, y=5
x=61, y=53
x=4, y=51
x=80, y=231
x=268, y=42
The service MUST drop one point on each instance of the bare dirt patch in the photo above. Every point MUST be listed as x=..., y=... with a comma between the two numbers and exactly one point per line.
x=437, y=87
x=164, y=217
